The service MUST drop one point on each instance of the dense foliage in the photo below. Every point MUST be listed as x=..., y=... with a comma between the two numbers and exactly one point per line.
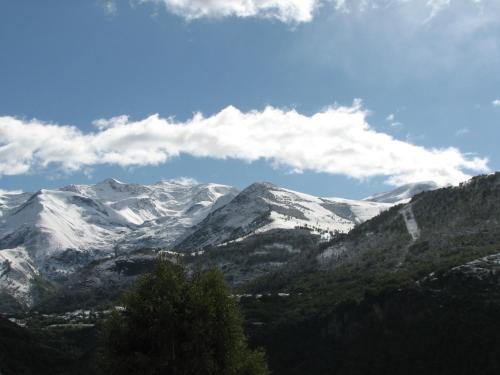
x=37, y=351
x=175, y=323
x=451, y=327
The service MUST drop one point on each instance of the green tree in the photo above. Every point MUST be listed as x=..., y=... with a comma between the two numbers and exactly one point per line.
x=178, y=324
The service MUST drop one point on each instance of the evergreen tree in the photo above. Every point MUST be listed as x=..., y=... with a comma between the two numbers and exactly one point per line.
x=180, y=325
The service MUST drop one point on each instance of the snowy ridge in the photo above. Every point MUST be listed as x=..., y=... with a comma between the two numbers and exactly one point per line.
x=323, y=214
x=54, y=233
x=140, y=203
x=66, y=219
x=51, y=234
x=263, y=206
x=11, y=199
x=403, y=193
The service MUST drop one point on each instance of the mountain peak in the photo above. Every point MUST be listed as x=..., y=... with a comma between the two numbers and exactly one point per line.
x=258, y=190
x=403, y=193
x=262, y=185
x=111, y=181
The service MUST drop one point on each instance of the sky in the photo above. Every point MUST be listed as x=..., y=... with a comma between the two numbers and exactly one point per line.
x=329, y=97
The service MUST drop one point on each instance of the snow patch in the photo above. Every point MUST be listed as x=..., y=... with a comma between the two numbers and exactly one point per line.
x=411, y=223
x=17, y=272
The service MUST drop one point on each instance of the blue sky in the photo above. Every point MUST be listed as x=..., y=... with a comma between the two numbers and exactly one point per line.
x=359, y=94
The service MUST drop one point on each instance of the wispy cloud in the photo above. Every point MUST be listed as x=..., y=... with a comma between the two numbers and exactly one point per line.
x=496, y=103
x=461, y=38
x=437, y=6
x=428, y=9
x=391, y=119
x=337, y=140
x=462, y=131
x=109, y=7
x=299, y=11
x=288, y=11
x=184, y=180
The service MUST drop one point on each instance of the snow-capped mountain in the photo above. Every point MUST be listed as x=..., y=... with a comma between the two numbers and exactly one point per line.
x=59, y=220
x=264, y=206
x=52, y=234
x=9, y=200
x=94, y=217
x=138, y=204
x=403, y=193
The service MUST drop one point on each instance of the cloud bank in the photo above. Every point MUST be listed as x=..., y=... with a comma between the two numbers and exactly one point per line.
x=337, y=140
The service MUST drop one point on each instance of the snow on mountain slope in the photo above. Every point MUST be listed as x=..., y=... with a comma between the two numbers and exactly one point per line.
x=140, y=203
x=52, y=234
x=160, y=212
x=362, y=210
x=17, y=272
x=51, y=221
x=403, y=193
x=11, y=199
x=89, y=217
x=264, y=206
x=324, y=214
x=56, y=232
x=481, y=268
x=184, y=206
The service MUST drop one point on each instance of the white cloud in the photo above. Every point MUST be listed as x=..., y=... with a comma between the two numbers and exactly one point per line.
x=183, y=180
x=337, y=140
x=290, y=11
x=105, y=123
x=109, y=7
x=391, y=119
x=434, y=7
x=299, y=11
x=496, y=103
x=462, y=131
x=459, y=40
x=438, y=6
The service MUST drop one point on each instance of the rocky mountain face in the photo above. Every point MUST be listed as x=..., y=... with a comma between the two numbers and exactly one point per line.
x=90, y=237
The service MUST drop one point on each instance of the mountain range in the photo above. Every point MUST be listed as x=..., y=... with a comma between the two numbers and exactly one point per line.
x=369, y=286
x=48, y=237
x=413, y=290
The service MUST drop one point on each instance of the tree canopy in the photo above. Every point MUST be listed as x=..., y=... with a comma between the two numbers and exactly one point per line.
x=179, y=324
